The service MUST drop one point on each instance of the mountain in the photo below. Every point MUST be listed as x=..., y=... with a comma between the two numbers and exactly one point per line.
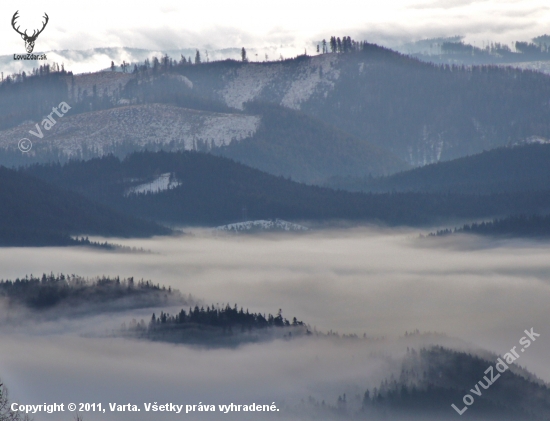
x=126, y=129
x=503, y=170
x=203, y=189
x=163, y=112
x=292, y=144
x=433, y=379
x=34, y=213
x=534, y=55
x=421, y=112
x=368, y=110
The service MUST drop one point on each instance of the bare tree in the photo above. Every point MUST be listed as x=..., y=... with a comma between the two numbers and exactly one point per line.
x=6, y=414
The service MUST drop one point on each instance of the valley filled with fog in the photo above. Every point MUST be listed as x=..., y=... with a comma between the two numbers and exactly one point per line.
x=463, y=292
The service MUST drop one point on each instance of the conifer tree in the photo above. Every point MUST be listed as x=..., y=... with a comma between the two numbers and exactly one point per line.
x=332, y=44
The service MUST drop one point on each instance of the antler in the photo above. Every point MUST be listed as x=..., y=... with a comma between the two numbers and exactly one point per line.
x=34, y=35
x=13, y=19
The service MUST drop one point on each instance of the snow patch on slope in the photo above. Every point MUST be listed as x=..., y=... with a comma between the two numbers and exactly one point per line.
x=530, y=140
x=163, y=182
x=538, y=66
x=295, y=84
x=316, y=73
x=135, y=127
x=220, y=130
x=183, y=79
x=262, y=225
x=248, y=82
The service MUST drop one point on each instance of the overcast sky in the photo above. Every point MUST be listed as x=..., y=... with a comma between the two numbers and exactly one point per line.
x=171, y=24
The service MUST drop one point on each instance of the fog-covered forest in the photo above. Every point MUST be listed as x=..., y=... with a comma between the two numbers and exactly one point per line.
x=214, y=326
x=73, y=293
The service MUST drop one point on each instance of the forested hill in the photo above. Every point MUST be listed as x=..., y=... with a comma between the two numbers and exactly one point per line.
x=363, y=109
x=72, y=294
x=292, y=144
x=534, y=226
x=419, y=111
x=215, y=326
x=433, y=379
x=269, y=137
x=34, y=213
x=202, y=189
x=511, y=169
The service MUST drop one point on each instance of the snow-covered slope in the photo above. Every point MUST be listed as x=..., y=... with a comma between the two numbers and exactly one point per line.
x=294, y=84
x=262, y=225
x=530, y=140
x=163, y=182
x=134, y=127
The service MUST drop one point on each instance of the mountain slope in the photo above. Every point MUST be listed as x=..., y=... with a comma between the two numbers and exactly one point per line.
x=127, y=129
x=516, y=169
x=433, y=379
x=421, y=112
x=37, y=214
x=165, y=112
x=418, y=112
x=292, y=144
x=202, y=189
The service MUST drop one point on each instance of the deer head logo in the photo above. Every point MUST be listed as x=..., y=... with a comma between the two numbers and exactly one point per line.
x=29, y=39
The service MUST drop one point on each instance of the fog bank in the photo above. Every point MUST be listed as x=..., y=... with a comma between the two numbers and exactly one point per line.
x=379, y=283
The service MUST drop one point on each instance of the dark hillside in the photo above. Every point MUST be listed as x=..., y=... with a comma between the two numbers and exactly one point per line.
x=516, y=169
x=214, y=190
x=34, y=213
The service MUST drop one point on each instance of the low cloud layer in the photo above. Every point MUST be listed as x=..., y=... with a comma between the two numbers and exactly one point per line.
x=378, y=283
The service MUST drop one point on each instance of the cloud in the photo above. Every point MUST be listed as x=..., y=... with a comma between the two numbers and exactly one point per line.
x=444, y=4
x=351, y=281
x=292, y=25
x=64, y=368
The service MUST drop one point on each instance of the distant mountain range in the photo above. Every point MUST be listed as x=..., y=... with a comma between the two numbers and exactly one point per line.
x=357, y=120
x=532, y=55
x=98, y=59
x=420, y=112
x=366, y=111
x=49, y=204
